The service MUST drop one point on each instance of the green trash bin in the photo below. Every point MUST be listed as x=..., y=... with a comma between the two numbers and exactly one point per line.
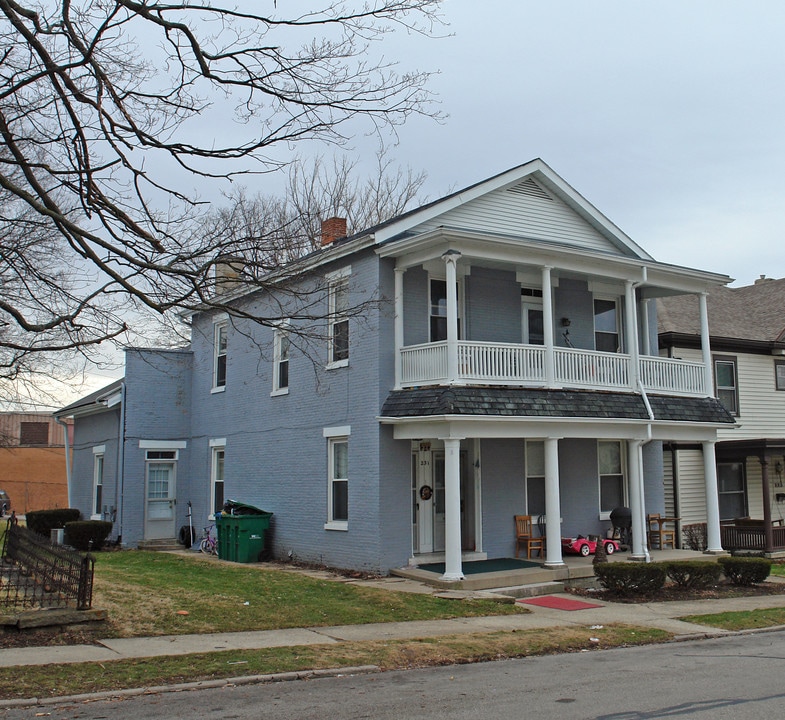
x=241, y=531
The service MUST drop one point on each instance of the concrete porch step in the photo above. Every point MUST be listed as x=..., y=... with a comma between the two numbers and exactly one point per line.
x=162, y=545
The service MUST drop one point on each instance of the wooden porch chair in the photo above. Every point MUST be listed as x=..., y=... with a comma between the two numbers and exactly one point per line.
x=524, y=537
x=658, y=534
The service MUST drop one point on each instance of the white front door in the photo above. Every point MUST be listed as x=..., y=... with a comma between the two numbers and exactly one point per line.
x=160, y=499
x=533, y=330
x=428, y=500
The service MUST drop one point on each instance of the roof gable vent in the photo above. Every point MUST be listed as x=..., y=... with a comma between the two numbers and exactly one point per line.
x=531, y=189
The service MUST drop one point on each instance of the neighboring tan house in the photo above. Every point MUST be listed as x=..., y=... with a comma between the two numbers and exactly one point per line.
x=748, y=360
x=506, y=363
x=32, y=461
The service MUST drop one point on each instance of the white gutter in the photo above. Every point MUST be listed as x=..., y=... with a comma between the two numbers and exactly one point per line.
x=119, y=481
x=641, y=443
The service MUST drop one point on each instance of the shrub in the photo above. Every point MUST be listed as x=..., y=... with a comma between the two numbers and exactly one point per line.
x=695, y=574
x=43, y=522
x=87, y=534
x=745, y=570
x=631, y=578
x=696, y=537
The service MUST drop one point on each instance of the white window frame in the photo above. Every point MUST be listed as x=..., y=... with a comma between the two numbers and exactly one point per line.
x=335, y=436
x=460, y=305
x=220, y=351
x=335, y=281
x=217, y=448
x=606, y=514
x=533, y=476
x=281, y=335
x=618, y=333
x=733, y=362
x=99, y=465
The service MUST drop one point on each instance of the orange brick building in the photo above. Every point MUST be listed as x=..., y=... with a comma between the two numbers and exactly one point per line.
x=32, y=461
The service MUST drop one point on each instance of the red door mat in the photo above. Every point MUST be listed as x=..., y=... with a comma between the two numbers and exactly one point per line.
x=558, y=603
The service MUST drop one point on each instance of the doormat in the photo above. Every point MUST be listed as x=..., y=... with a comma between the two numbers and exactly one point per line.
x=484, y=566
x=558, y=603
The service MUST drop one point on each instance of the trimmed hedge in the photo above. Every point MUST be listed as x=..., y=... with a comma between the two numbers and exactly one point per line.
x=87, y=534
x=631, y=578
x=745, y=570
x=694, y=574
x=43, y=522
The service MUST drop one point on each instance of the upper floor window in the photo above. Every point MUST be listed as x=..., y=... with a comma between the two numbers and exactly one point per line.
x=34, y=433
x=610, y=460
x=219, y=355
x=779, y=374
x=726, y=383
x=438, y=310
x=606, y=325
x=338, y=322
x=281, y=349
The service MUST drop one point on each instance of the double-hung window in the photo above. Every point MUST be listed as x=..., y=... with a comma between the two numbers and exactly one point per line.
x=217, y=475
x=726, y=383
x=281, y=348
x=535, y=477
x=219, y=355
x=437, y=304
x=338, y=321
x=337, y=478
x=610, y=457
x=606, y=325
x=98, y=478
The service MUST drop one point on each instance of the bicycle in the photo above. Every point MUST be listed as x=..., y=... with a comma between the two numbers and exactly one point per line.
x=209, y=543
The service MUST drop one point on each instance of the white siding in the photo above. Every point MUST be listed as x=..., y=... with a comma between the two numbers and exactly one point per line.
x=692, y=489
x=511, y=213
x=761, y=405
x=667, y=479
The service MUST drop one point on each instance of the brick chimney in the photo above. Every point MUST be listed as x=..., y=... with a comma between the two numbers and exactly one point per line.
x=332, y=229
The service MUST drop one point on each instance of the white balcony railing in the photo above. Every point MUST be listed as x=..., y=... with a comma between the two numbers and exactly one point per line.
x=525, y=365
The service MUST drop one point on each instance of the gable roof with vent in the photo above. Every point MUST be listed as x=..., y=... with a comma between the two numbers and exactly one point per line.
x=529, y=201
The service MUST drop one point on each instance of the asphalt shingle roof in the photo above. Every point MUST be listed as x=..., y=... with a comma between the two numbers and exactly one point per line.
x=754, y=312
x=527, y=402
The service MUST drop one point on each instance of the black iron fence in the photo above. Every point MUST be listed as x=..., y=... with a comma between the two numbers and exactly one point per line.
x=36, y=573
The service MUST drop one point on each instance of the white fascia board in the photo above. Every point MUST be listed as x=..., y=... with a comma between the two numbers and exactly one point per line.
x=462, y=426
x=512, y=250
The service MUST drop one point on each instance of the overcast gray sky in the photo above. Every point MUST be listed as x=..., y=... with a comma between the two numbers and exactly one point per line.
x=669, y=116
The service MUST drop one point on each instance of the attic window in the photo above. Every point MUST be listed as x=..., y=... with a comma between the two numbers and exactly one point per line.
x=531, y=189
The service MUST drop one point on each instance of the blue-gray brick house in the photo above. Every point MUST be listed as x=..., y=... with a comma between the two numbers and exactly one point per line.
x=509, y=365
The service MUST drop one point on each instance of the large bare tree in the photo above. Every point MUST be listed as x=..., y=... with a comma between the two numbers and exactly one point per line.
x=110, y=110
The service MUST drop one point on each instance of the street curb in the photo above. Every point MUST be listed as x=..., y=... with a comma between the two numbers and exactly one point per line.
x=197, y=685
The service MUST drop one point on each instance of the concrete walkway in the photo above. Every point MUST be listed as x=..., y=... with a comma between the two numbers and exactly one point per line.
x=662, y=615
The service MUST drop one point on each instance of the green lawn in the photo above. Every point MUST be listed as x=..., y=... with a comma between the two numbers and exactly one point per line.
x=148, y=593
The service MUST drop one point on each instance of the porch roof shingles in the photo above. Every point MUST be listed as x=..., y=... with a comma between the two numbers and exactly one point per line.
x=522, y=402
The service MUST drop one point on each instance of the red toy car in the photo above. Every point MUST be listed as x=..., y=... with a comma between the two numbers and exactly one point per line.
x=585, y=546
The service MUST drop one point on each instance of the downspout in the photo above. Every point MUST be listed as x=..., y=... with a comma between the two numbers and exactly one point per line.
x=642, y=518
x=119, y=481
x=68, y=461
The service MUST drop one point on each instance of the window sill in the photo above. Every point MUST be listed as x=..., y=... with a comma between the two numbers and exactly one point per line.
x=337, y=364
x=281, y=391
x=341, y=525
x=218, y=389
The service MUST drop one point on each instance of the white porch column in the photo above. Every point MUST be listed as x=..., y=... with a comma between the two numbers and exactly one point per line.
x=451, y=261
x=552, y=505
x=453, y=569
x=708, y=382
x=713, y=539
x=631, y=321
x=637, y=501
x=398, y=325
x=547, y=326
x=645, y=329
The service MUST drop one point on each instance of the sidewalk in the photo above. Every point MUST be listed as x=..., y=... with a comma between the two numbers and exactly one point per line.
x=662, y=615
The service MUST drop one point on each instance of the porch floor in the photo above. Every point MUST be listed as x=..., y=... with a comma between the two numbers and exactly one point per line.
x=526, y=581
